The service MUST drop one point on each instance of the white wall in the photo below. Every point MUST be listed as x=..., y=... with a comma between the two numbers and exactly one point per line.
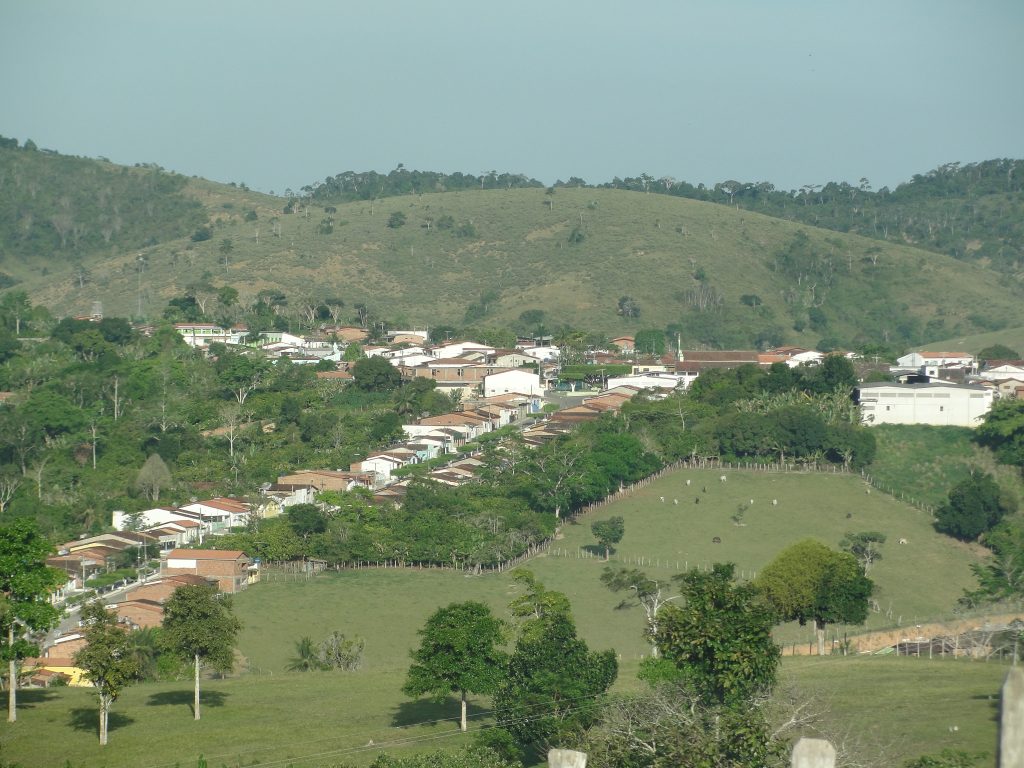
x=935, y=404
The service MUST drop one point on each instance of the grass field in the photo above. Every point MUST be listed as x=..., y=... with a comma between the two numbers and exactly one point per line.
x=925, y=462
x=270, y=717
x=1010, y=337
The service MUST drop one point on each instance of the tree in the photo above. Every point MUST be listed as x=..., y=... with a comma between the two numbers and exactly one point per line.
x=1003, y=431
x=375, y=374
x=554, y=682
x=458, y=653
x=306, y=519
x=974, y=506
x=997, y=352
x=25, y=586
x=1001, y=578
x=865, y=546
x=648, y=592
x=153, y=476
x=608, y=532
x=305, y=659
x=106, y=658
x=537, y=601
x=199, y=626
x=396, y=220
x=470, y=757
x=629, y=307
x=719, y=637
x=809, y=581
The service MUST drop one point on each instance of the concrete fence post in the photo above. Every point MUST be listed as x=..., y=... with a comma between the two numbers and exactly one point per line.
x=566, y=758
x=813, y=753
x=1011, y=724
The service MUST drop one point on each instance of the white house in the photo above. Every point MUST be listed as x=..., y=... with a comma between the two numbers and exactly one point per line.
x=546, y=354
x=936, y=403
x=652, y=380
x=459, y=348
x=935, y=360
x=524, y=382
x=1004, y=371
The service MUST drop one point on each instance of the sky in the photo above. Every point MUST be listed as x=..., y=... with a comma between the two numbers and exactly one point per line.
x=280, y=95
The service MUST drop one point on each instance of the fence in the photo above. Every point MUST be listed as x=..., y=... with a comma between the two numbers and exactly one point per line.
x=819, y=753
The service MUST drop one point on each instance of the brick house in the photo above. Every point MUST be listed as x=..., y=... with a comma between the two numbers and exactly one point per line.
x=231, y=569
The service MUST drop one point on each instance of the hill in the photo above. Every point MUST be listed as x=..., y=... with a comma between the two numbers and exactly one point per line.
x=611, y=261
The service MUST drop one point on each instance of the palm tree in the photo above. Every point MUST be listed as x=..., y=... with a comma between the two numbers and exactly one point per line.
x=144, y=648
x=306, y=658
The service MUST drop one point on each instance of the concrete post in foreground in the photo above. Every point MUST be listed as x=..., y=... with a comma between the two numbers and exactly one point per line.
x=1011, y=724
x=813, y=753
x=566, y=758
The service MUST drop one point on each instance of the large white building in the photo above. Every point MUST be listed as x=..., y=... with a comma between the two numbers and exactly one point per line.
x=937, y=403
x=516, y=380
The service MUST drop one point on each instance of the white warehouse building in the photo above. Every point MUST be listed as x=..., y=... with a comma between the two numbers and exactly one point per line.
x=939, y=404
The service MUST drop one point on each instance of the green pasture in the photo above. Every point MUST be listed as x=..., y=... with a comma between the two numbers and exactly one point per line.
x=266, y=716
x=1010, y=337
x=925, y=462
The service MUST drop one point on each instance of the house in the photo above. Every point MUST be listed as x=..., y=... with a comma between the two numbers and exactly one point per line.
x=515, y=380
x=138, y=613
x=935, y=359
x=1003, y=369
x=326, y=480
x=697, y=360
x=625, y=343
x=459, y=348
x=939, y=404
x=55, y=665
x=230, y=569
x=652, y=380
x=219, y=514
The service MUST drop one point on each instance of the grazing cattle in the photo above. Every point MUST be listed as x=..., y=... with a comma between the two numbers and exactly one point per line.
x=775, y=502
x=676, y=502
x=751, y=503
x=849, y=515
x=867, y=491
x=716, y=540
x=721, y=479
x=903, y=541
x=697, y=500
x=662, y=499
x=704, y=489
x=687, y=483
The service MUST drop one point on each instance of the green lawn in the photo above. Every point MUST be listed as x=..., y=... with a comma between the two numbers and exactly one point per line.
x=268, y=716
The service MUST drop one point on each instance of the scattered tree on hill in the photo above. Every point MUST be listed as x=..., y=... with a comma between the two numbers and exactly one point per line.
x=459, y=653
x=200, y=627
x=706, y=702
x=153, y=476
x=552, y=690
x=719, y=636
x=106, y=658
x=866, y=546
x=1001, y=577
x=338, y=652
x=809, y=581
x=305, y=519
x=974, y=506
x=537, y=601
x=608, y=533
x=997, y=352
x=25, y=586
x=1003, y=431
x=629, y=307
x=650, y=594
x=396, y=220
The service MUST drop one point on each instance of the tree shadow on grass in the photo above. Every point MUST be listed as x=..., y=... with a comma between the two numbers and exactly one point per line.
x=29, y=697
x=429, y=710
x=994, y=704
x=187, y=698
x=88, y=719
x=597, y=551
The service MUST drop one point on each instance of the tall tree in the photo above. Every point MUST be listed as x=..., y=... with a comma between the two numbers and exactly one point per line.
x=106, y=659
x=809, y=581
x=458, y=653
x=719, y=636
x=200, y=626
x=652, y=595
x=153, y=476
x=26, y=582
x=554, y=683
x=974, y=506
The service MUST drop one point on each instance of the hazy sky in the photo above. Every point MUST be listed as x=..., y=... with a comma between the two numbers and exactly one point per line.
x=281, y=94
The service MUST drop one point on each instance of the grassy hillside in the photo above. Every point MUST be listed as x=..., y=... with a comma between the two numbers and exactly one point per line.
x=273, y=717
x=721, y=277
x=925, y=462
x=1010, y=337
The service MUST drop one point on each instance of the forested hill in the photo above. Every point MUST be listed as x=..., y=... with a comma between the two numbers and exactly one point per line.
x=56, y=209
x=973, y=212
